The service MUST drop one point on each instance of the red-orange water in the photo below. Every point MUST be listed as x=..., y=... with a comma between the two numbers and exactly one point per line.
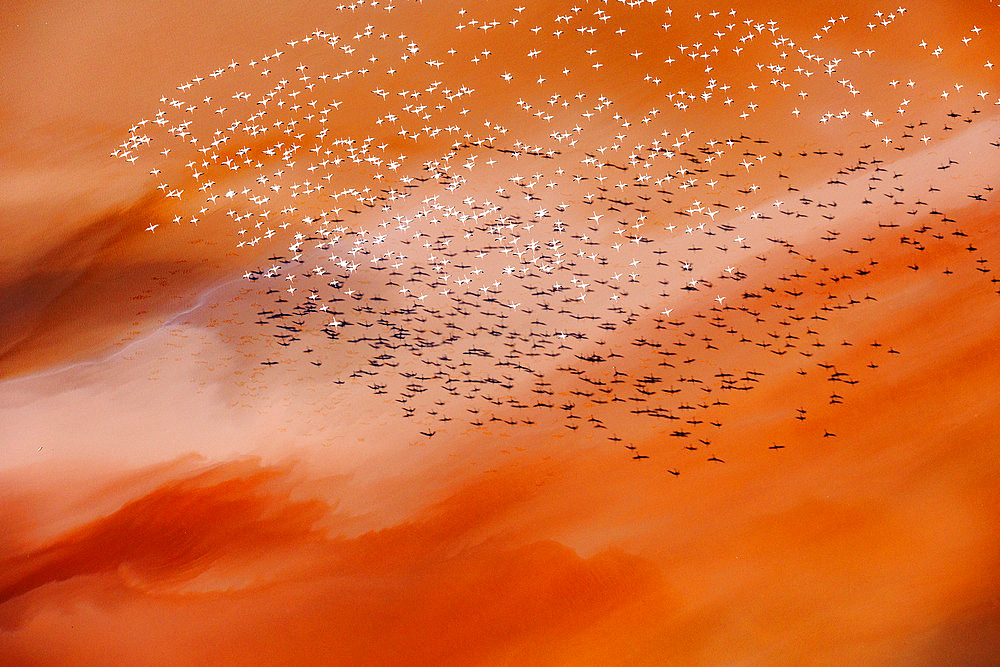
x=168, y=500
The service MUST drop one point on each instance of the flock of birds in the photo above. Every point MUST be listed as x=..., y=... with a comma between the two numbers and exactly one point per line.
x=628, y=212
